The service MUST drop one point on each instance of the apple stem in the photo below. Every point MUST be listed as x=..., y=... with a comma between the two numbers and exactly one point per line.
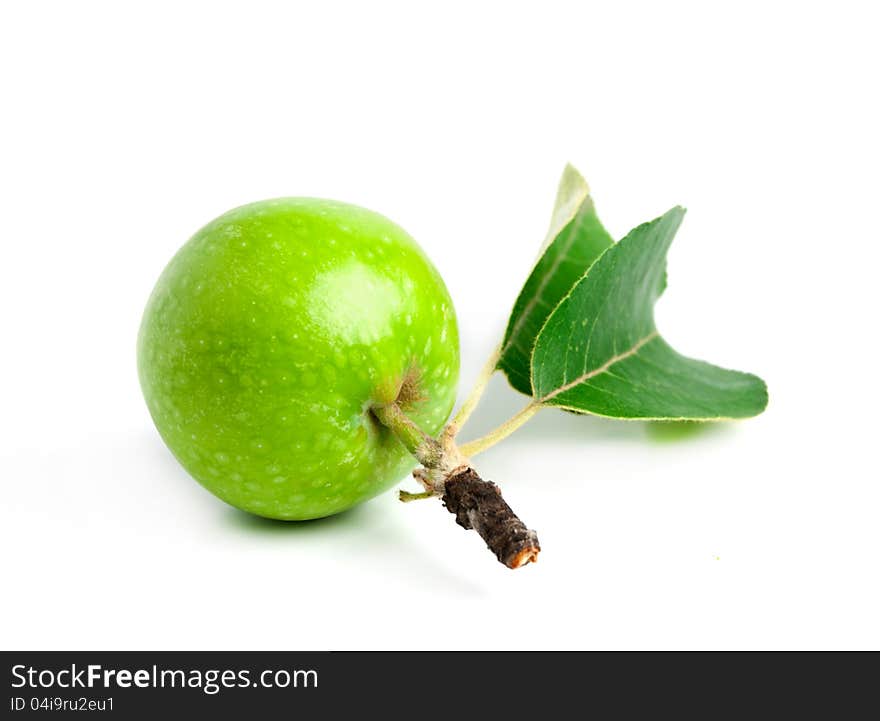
x=475, y=503
x=427, y=450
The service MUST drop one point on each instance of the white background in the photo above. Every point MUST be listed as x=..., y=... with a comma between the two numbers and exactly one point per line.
x=125, y=127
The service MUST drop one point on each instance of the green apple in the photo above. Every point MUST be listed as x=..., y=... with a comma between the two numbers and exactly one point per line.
x=271, y=335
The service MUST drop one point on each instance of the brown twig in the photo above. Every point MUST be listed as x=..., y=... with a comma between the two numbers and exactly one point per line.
x=478, y=504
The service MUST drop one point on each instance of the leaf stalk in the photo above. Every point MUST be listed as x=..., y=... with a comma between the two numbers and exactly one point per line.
x=473, y=398
x=479, y=445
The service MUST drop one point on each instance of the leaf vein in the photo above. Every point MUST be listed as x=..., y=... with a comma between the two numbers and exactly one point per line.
x=601, y=369
x=542, y=286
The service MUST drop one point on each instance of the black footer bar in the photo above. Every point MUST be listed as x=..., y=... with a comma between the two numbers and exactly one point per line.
x=550, y=685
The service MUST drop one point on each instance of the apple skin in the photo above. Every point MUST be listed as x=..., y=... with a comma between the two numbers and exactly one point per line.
x=269, y=336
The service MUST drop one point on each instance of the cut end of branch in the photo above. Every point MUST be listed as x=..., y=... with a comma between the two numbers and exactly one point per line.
x=478, y=504
x=525, y=556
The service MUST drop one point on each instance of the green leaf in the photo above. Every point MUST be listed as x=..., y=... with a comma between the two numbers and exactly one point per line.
x=574, y=241
x=599, y=351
